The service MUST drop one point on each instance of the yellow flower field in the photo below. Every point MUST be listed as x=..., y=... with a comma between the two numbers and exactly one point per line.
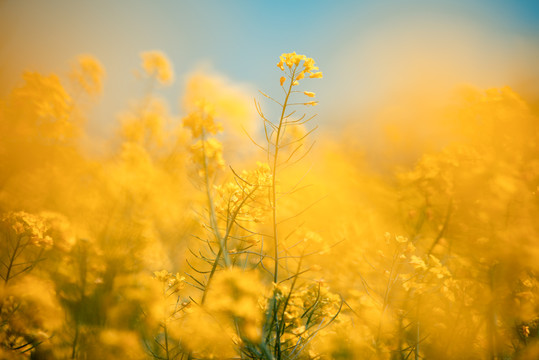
x=233, y=228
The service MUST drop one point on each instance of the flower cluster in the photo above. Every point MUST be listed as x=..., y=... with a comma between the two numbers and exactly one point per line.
x=88, y=73
x=305, y=309
x=202, y=121
x=208, y=155
x=172, y=283
x=155, y=63
x=235, y=294
x=426, y=274
x=293, y=60
x=29, y=226
x=246, y=195
x=28, y=317
x=296, y=70
x=43, y=105
x=206, y=152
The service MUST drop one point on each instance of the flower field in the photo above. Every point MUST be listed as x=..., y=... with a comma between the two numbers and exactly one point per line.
x=241, y=229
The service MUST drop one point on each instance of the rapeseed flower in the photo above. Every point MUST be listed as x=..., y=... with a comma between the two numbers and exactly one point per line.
x=295, y=71
x=156, y=63
x=89, y=74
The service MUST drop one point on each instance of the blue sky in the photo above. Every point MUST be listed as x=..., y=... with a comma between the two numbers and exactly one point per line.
x=367, y=50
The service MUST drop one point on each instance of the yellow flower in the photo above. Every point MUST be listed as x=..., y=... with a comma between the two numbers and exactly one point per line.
x=401, y=239
x=312, y=103
x=282, y=80
x=155, y=63
x=202, y=120
x=309, y=93
x=417, y=262
x=245, y=196
x=297, y=59
x=208, y=154
x=162, y=275
x=294, y=62
x=291, y=59
x=89, y=74
x=234, y=294
x=44, y=97
x=34, y=227
x=309, y=65
x=316, y=75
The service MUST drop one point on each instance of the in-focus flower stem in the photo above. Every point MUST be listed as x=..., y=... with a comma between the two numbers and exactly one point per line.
x=274, y=216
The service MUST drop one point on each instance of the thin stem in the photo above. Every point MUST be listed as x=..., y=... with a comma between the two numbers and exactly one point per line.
x=12, y=259
x=213, y=218
x=274, y=216
x=273, y=180
x=166, y=340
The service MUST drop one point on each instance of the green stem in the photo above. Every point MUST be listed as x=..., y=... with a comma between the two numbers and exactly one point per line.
x=274, y=215
x=12, y=259
x=166, y=340
x=213, y=218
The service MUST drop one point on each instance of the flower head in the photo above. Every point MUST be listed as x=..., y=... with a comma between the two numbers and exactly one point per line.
x=202, y=120
x=88, y=73
x=208, y=155
x=296, y=69
x=155, y=63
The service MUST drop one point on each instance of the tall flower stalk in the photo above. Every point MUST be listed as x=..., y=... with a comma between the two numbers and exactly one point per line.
x=294, y=67
x=294, y=310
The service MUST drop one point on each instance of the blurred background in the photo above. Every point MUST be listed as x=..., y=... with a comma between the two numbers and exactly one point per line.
x=371, y=52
